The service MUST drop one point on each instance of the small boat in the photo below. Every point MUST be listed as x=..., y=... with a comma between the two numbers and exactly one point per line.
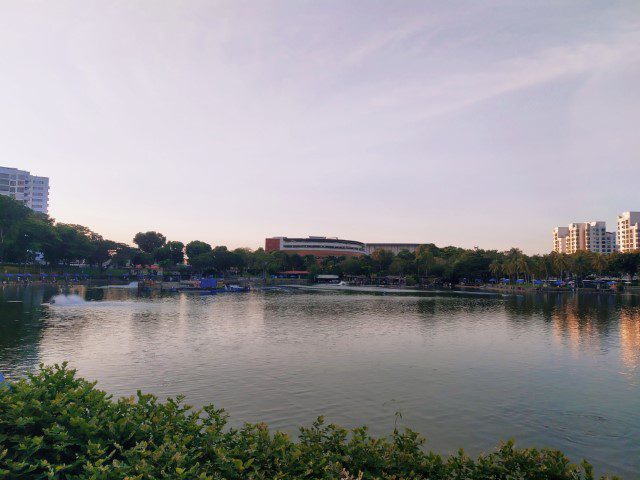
x=225, y=289
x=210, y=286
x=237, y=288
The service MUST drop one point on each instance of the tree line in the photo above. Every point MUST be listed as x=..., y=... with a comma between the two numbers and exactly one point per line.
x=453, y=264
x=25, y=234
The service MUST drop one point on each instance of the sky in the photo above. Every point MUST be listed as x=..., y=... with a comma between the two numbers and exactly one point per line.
x=456, y=123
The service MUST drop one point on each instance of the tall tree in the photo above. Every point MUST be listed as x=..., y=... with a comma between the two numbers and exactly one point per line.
x=580, y=264
x=172, y=253
x=382, y=259
x=149, y=241
x=561, y=263
x=196, y=247
x=600, y=263
x=75, y=243
x=496, y=268
x=123, y=255
x=12, y=213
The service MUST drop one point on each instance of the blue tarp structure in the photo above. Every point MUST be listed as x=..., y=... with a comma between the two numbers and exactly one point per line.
x=3, y=382
x=519, y=280
x=537, y=282
x=505, y=280
x=558, y=283
x=492, y=280
x=208, y=283
x=611, y=283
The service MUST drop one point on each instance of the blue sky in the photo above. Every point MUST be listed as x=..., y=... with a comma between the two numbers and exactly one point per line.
x=465, y=123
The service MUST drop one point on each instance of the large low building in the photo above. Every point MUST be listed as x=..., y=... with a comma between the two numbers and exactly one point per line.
x=584, y=236
x=629, y=231
x=394, y=248
x=318, y=246
x=29, y=189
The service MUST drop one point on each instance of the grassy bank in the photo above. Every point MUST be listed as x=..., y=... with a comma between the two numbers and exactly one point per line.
x=56, y=425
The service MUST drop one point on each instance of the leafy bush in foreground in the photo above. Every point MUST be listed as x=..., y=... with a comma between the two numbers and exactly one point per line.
x=56, y=425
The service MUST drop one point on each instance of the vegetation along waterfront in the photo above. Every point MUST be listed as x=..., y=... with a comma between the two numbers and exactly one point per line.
x=319, y=240
x=56, y=425
x=24, y=233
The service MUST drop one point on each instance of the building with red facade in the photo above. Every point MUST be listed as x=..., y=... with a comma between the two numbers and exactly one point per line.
x=318, y=246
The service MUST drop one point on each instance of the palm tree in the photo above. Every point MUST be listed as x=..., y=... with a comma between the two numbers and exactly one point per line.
x=561, y=262
x=580, y=264
x=424, y=258
x=496, y=268
x=522, y=265
x=511, y=265
x=547, y=260
x=511, y=268
x=600, y=263
x=537, y=266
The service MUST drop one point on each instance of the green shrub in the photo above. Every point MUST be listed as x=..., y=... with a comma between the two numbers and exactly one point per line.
x=412, y=280
x=56, y=425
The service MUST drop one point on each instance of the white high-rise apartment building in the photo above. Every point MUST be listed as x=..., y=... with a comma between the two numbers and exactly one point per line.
x=629, y=231
x=585, y=236
x=560, y=237
x=29, y=189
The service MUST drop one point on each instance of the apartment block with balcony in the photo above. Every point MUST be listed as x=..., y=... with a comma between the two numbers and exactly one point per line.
x=29, y=189
x=629, y=231
x=560, y=237
x=584, y=236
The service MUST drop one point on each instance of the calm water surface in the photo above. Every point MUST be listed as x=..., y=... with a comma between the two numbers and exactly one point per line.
x=464, y=370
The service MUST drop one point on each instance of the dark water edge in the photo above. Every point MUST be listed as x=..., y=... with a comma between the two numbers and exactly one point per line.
x=557, y=370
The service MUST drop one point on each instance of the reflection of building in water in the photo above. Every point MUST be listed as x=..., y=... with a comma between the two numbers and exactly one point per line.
x=585, y=324
x=630, y=338
x=577, y=327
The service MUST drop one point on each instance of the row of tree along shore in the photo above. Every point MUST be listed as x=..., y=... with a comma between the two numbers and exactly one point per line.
x=33, y=242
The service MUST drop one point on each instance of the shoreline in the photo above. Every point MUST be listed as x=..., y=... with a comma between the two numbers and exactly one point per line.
x=512, y=289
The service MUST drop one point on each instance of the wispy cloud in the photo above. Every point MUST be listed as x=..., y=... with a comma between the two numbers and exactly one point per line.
x=309, y=115
x=447, y=92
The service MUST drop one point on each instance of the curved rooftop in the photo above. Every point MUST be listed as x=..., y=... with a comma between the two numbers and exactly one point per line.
x=318, y=246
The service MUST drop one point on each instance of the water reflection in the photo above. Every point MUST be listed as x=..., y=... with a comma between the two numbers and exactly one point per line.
x=630, y=337
x=21, y=326
x=466, y=370
x=584, y=323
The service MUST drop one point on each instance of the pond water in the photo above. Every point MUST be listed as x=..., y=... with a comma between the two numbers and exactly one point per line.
x=556, y=370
